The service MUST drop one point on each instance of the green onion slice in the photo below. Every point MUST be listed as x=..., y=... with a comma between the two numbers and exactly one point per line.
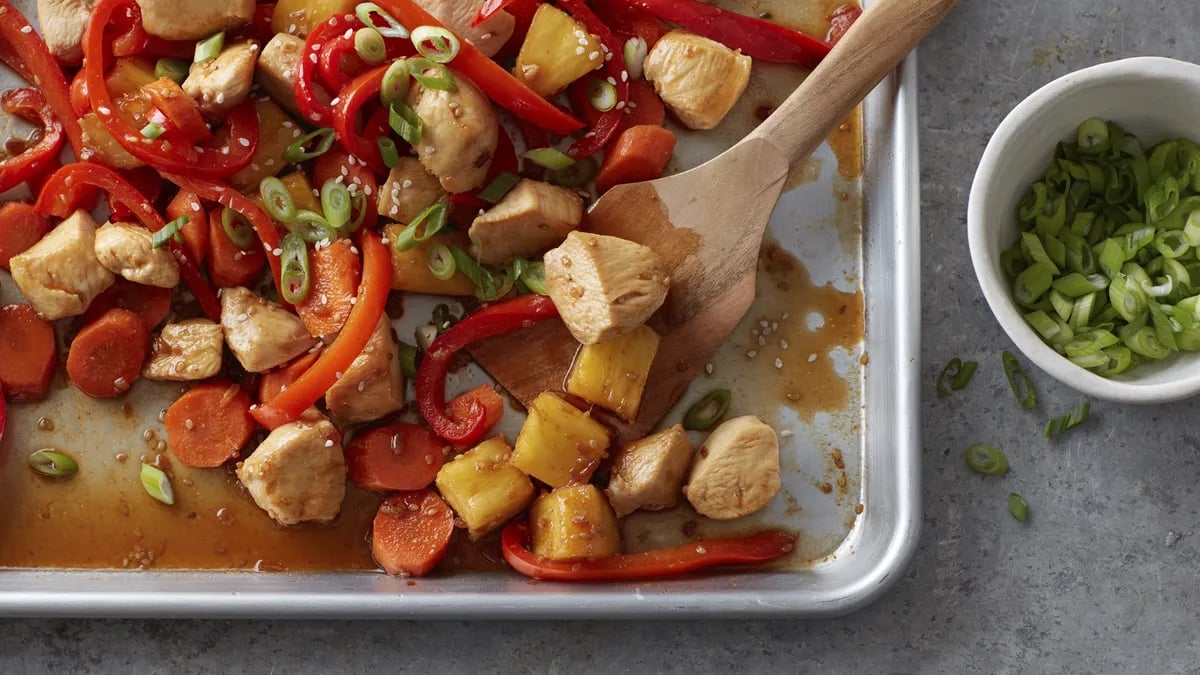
x=294, y=275
x=440, y=261
x=209, y=47
x=706, y=412
x=277, y=199
x=153, y=130
x=335, y=203
x=436, y=43
x=955, y=376
x=53, y=463
x=358, y=207
x=1018, y=507
x=579, y=174
x=407, y=354
x=311, y=227
x=550, y=158
x=396, y=82
x=443, y=318
x=369, y=45
x=157, y=484
x=1065, y=423
x=487, y=288
x=427, y=224
x=368, y=12
x=532, y=273
x=296, y=153
x=1093, y=137
x=635, y=51
x=387, y=149
x=431, y=74
x=237, y=228
x=172, y=69
x=1022, y=386
x=499, y=187
x=405, y=122
x=170, y=231
x=602, y=95
x=986, y=460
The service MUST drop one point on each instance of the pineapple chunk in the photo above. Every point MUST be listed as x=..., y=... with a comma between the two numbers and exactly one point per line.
x=277, y=130
x=410, y=271
x=556, y=52
x=574, y=523
x=302, y=191
x=128, y=75
x=613, y=373
x=559, y=444
x=100, y=146
x=484, y=488
x=299, y=17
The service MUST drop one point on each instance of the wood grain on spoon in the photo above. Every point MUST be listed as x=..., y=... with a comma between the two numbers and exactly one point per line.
x=708, y=223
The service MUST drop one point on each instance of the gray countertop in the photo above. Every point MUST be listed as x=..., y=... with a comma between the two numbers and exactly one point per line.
x=1101, y=579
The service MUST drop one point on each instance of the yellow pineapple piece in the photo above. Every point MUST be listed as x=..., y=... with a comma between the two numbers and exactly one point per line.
x=574, y=523
x=559, y=444
x=276, y=131
x=128, y=76
x=612, y=374
x=301, y=191
x=556, y=52
x=410, y=269
x=483, y=487
x=299, y=17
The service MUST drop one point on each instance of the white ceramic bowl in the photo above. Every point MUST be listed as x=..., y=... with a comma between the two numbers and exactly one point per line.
x=1153, y=98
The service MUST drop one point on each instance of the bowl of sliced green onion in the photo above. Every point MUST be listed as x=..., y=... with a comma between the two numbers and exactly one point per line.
x=1084, y=228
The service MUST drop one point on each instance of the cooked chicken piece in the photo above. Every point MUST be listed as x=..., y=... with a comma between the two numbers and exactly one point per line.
x=460, y=133
x=408, y=190
x=60, y=275
x=62, y=23
x=604, y=286
x=531, y=218
x=373, y=385
x=277, y=66
x=647, y=474
x=297, y=474
x=128, y=251
x=736, y=471
x=186, y=351
x=697, y=78
x=174, y=20
x=488, y=37
x=261, y=334
x=223, y=83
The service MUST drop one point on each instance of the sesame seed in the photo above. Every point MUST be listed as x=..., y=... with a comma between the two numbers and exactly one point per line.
x=313, y=58
x=594, y=56
x=220, y=98
x=624, y=75
x=329, y=443
x=336, y=100
x=579, y=51
x=708, y=368
x=244, y=142
x=778, y=363
x=762, y=341
x=277, y=252
x=783, y=344
x=752, y=353
x=254, y=166
x=27, y=29
x=406, y=184
x=786, y=433
x=812, y=358
x=361, y=386
x=189, y=424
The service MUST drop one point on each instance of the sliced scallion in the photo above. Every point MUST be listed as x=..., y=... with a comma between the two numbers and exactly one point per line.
x=550, y=158
x=431, y=74
x=635, y=51
x=1064, y=423
x=311, y=227
x=53, y=463
x=1020, y=383
x=955, y=375
x=397, y=80
x=369, y=45
x=405, y=122
x=171, y=231
x=440, y=261
x=387, y=149
x=1018, y=507
x=209, y=47
x=153, y=130
x=427, y=224
x=407, y=355
x=293, y=274
x=296, y=153
x=499, y=187
x=579, y=174
x=986, y=460
x=368, y=12
x=436, y=43
x=531, y=273
x=335, y=203
x=277, y=199
x=602, y=95
x=705, y=413
x=172, y=69
x=487, y=287
x=157, y=484
x=237, y=228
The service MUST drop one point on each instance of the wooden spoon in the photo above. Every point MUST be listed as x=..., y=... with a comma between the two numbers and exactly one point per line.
x=708, y=223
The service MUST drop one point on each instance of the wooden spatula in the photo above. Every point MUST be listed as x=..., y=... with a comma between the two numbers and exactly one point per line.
x=708, y=223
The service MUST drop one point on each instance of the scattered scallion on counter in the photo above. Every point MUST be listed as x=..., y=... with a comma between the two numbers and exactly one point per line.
x=1021, y=385
x=709, y=410
x=53, y=463
x=1018, y=507
x=955, y=376
x=1064, y=423
x=986, y=460
x=157, y=484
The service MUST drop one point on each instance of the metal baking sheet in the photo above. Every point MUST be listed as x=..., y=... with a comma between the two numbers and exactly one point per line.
x=842, y=391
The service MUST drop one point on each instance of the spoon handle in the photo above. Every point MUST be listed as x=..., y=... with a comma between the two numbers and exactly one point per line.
x=879, y=40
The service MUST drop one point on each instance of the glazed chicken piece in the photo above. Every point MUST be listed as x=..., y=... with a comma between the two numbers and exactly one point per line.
x=647, y=474
x=460, y=133
x=298, y=473
x=193, y=20
x=408, y=190
x=222, y=83
x=261, y=334
x=62, y=23
x=531, y=218
x=373, y=385
x=699, y=79
x=128, y=251
x=278, y=64
x=488, y=37
x=61, y=275
x=186, y=351
x=736, y=471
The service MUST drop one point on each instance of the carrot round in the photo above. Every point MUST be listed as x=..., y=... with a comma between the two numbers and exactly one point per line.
x=282, y=377
x=493, y=405
x=411, y=532
x=335, y=273
x=28, y=353
x=228, y=264
x=195, y=231
x=21, y=226
x=106, y=357
x=151, y=303
x=640, y=153
x=210, y=424
x=395, y=457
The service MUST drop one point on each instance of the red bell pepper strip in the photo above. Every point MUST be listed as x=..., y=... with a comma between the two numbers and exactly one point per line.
x=496, y=319
x=3, y=413
x=310, y=101
x=606, y=127
x=25, y=44
x=489, y=76
x=230, y=198
x=362, y=90
x=338, y=62
x=666, y=562
x=130, y=37
x=215, y=162
x=489, y=9
x=840, y=21
x=756, y=38
x=337, y=357
x=147, y=181
x=179, y=108
x=68, y=187
x=628, y=21
x=29, y=104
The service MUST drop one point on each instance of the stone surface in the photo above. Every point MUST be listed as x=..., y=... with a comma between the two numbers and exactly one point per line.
x=1102, y=578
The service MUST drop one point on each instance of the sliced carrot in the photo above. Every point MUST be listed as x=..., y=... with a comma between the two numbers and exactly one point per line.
x=106, y=357
x=411, y=532
x=210, y=424
x=640, y=153
x=151, y=303
x=282, y=377
x=20, y=227
x=195, y=231
x=229, y=265
x=395, y=457
x=334, y=273
x=493, y=405
x=28, y=353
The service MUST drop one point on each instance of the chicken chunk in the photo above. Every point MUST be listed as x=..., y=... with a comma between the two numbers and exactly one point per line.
x=62, y=23
x=699, y=79
x=647, y=474
x=604, y=286
x=128, y=251
x=736, y=471
x=60, y=275
x=174, y=20
x=186, y=351
x=531, y=218
x=460, y=133
x=261, y=334
x=373, y=385
x=277, y=67
x=297, y=474
x=488, y=37
x=223, y=83
x=408, y=190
